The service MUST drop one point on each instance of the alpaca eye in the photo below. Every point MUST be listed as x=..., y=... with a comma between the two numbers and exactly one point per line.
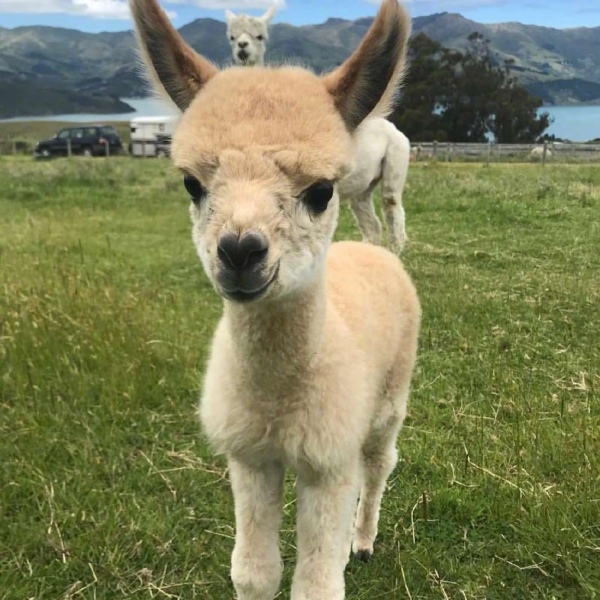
x=260, y=38
x=317, y=196
x=194, y=188
x=232, y=38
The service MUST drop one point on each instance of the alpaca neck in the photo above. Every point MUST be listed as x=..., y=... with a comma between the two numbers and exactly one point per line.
x=282, y=334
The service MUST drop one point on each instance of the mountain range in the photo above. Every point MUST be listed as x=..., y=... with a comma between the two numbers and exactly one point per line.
x=48, y=70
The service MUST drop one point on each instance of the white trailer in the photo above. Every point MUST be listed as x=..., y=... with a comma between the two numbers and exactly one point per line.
x=151, y=136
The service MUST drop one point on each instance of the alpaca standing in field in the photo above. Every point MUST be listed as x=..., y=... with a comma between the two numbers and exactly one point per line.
x=311, y=363
x=248, y=37
x=381, y=153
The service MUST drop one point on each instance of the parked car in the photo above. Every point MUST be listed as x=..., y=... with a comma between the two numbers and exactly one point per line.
x=90, y=140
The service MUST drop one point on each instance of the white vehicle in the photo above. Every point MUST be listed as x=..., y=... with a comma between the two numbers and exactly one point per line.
x=151, y=136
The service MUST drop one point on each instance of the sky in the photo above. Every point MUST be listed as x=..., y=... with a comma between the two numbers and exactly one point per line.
x=112, y=15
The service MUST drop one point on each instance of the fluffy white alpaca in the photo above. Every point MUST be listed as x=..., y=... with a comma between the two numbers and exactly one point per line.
x=381, y=152
x=381, y=155
x=248, y=36
x=311, y=363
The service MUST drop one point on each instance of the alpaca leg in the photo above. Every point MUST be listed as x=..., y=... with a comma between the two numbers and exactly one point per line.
x=393, y=177
x=256, y=562
x=379, y=459
x=325, y=511
x=395, y=221
x=366, y=218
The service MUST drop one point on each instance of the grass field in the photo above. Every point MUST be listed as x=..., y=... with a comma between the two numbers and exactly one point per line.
x=108, y=490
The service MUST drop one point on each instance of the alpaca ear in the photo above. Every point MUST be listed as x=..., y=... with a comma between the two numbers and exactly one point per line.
x=268, y=16
x=366, y=83
x=229, y=16
x=173, y=65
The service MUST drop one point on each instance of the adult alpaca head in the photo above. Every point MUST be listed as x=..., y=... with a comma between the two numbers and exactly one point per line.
x=248, y=36
x=262, y=148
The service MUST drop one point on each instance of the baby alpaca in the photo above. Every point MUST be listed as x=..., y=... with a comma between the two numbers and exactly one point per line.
x=248, y=36
x=311, y=363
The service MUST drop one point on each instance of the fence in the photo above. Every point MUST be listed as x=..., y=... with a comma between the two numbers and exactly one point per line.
x=19, y=147
x=442, y=151
x=549, y=151
x=15, y=147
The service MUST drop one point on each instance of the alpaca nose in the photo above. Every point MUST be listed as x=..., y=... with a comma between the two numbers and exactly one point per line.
x=243, y=44
x=242, y=252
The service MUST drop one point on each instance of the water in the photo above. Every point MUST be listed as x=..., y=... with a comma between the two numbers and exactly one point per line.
x=575, y=123
x=144, y=107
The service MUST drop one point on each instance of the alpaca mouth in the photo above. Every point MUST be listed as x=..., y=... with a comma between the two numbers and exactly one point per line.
x=241, y=295
x=243, y=56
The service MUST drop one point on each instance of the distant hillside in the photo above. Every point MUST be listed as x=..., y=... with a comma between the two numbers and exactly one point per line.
x=540, y=53
x=559, y=65
x=22, y=98
x=566, y=91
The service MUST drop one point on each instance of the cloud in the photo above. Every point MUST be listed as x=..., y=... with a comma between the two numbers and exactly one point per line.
x=100, y=9
x=117, y=9
x=450, y=4
x=231, y=4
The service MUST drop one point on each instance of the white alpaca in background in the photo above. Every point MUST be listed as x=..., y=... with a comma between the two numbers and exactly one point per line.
x=381, y=155
x=248, y=36
x=381, y=152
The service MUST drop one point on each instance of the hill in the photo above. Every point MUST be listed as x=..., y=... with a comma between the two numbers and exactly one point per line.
x=559, y=64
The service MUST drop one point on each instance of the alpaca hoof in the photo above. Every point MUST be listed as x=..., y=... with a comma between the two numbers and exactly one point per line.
x=364, y=555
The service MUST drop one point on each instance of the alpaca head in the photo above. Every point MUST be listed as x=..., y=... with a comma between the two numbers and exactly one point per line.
x=261, y=149
x=248, y=36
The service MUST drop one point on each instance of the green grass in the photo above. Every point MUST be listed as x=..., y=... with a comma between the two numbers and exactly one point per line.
x=108, y=489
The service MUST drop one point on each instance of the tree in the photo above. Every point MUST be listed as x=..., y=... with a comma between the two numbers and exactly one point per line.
x=426, y=85
x=449, y=96
x=514, y=113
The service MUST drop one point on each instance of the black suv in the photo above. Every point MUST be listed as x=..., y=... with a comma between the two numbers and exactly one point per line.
x=91, y=140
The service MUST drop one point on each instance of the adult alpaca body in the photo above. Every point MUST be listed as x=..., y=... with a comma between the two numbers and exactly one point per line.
x=311, y=363
x=381, y=153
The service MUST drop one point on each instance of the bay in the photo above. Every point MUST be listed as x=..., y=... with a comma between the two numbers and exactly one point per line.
x=580, y=123
x=143, y=107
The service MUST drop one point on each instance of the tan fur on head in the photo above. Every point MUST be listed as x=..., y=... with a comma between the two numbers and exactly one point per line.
x=257, y=138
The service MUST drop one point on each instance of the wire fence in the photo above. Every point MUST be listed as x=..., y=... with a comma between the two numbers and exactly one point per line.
x=491, y=152
x=440, y=151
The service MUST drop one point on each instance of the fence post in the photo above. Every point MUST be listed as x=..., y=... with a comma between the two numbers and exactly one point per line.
x=434, y=150
x=14, y=147
x=448, y=152
x=489, y=152
x=69, y=147
x=545, y=152
x=107, y=149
